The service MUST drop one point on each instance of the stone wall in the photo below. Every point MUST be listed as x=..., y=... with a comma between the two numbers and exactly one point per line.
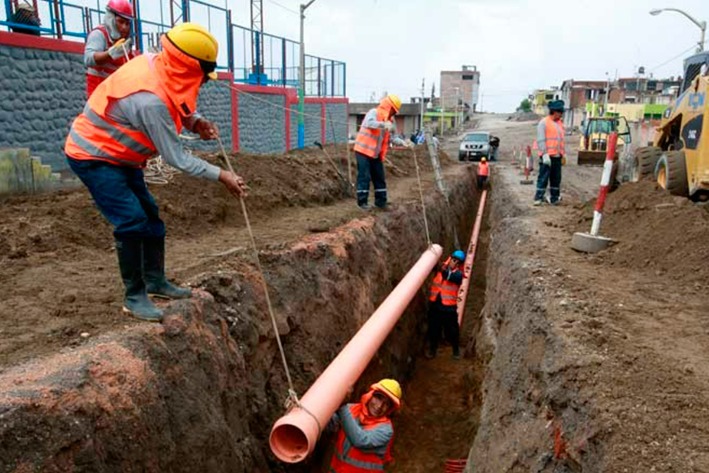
x=215, y=104
x=42, y=91
x=262, y=123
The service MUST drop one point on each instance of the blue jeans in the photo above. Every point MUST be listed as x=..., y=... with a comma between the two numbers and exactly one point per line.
x=549, y=175
x=122, y=197
x=369, y=169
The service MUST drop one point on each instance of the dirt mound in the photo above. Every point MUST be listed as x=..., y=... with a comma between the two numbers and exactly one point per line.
x=57, y=264
x=656, y=232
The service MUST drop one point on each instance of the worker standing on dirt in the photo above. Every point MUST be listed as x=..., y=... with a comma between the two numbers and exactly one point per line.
x=550, y=141
x=366, y=433
x=442, y=310
x=371, y=148
x=108, y=46
x=134, y=114
x=483, y=173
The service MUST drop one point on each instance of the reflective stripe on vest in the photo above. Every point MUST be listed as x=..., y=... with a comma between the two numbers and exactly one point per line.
x=94, y=135
x=448, y=290
x=554, y=137
x=350, y=459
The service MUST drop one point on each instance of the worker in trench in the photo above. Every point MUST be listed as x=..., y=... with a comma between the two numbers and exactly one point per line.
x=443, y=305
x=134, y=114
x=371, y=146
x=551, y=149
x=365, y=432
x=483, y=173
x=108, y=46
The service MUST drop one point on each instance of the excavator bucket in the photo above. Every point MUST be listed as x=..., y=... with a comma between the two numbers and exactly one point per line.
x=592, y=158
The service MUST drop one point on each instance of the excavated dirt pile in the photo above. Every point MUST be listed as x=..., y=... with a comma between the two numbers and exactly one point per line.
x=83, y=388
x=656, y=232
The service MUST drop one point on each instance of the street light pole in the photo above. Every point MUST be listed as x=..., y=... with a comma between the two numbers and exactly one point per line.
x=701, y=24
x=301, y=78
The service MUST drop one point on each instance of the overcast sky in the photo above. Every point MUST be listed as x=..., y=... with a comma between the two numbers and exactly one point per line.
x=518, y=45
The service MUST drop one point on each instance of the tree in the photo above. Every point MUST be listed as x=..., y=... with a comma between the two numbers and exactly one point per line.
x=525, y=106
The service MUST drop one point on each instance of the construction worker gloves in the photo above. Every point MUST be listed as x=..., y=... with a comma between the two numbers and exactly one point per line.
x=390, y=126
x=120, y=48
x=546, y=160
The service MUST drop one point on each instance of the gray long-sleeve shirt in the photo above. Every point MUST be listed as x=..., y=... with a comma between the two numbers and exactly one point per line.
x=146, y=112
x=375, y=440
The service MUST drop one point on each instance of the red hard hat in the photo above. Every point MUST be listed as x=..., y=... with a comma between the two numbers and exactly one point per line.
x=122, y=8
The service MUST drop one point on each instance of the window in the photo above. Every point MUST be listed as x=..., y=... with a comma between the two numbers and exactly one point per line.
x=468, y=77
x=549, y=97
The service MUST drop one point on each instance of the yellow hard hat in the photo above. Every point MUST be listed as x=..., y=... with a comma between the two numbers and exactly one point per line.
x=195, y=41
x=391, y=388
x=395, y=101
x=483, y=160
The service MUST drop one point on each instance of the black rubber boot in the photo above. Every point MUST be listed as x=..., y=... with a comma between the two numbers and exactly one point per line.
x=136, y=301
x=154, y=272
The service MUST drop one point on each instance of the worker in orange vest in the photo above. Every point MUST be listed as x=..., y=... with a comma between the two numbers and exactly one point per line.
x=371, y=146
x=483, y=172
x=443, y=304
x=136, y=113
x=108, y=46
x=365, y=431
x=551, y=144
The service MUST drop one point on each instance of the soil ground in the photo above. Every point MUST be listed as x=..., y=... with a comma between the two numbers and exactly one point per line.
x=642, y=307
x=58, y=272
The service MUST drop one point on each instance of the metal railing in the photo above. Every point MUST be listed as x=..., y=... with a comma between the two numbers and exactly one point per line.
x=73, y=20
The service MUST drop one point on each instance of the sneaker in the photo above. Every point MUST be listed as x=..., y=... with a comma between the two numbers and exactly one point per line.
x=456, y=356
x=364, y=207
x=430, y=355
x=537, y=203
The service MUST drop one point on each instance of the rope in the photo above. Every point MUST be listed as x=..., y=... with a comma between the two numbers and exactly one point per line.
x=157, y=171
x=292, y=395
x=423, y=204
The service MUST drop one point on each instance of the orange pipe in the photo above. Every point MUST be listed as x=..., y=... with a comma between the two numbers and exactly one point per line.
x=294, y=435
x=470, y=259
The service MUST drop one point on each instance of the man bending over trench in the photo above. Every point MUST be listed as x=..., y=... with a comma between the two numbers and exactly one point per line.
x=135, y=113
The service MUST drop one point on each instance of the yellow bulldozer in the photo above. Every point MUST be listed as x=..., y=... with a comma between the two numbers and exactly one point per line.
x=594, y=139
x=679, y=156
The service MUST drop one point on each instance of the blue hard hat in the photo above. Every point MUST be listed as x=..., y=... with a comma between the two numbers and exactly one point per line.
x=459, y=255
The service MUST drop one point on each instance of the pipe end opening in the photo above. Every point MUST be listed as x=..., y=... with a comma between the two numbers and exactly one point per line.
x=289, y=443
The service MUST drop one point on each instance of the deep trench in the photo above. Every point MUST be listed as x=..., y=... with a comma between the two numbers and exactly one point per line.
x=201, y=391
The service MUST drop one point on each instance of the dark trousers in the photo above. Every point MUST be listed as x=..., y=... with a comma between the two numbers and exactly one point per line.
x=549, y=175
x=122, y=197
x=443, y=319
x=481, y=181
x=369, y=169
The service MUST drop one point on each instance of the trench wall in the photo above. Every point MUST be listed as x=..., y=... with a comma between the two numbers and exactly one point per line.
x=44, y=89
x=532, y=388
x=201, y=391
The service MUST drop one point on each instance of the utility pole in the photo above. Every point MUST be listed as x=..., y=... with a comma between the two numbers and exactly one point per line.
x=443, y=109
x=423, y=84
x=301, y=79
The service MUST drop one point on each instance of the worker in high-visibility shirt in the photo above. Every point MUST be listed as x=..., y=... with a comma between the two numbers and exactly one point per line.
x=551, y=144
x=443, y=305
x=136, y=113
x=109, y=46
x=365, y=431
x=483, y=173
x=371, y=146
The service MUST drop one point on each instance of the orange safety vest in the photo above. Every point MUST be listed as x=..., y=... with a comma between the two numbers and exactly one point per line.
x=374, y=142
x=447, y=290
x=350, y=459
x=554, y=137
x=483, y=169
x=101, y=73
x=171, y=75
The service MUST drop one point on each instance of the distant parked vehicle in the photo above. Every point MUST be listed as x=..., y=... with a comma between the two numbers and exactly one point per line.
x=475, y=145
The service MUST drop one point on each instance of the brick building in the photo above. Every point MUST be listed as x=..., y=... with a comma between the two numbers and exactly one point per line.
x=462, y=86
